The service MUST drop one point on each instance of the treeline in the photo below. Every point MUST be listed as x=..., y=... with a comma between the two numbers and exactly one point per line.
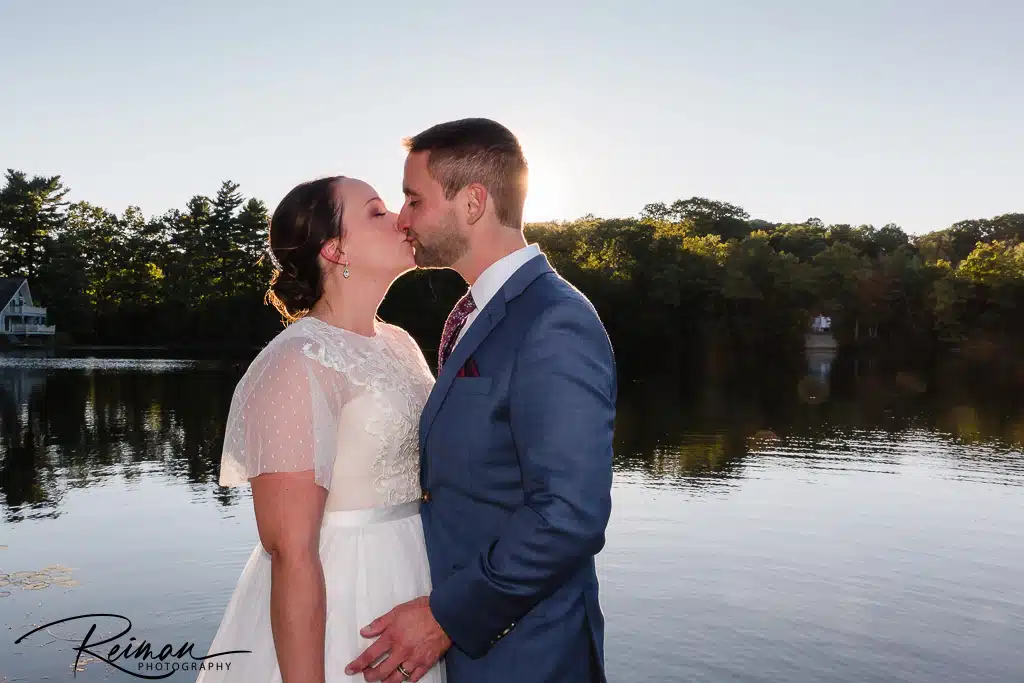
x=677, y=278
x=703, y=271
x=191, y=276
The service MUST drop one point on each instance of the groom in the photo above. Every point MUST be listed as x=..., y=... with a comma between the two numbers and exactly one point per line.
x=515, y=439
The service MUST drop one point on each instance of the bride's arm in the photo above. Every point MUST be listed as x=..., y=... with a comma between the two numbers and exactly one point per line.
x=289, y=508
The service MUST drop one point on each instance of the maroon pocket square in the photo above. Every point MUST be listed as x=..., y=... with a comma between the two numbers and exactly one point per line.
x=468, y=369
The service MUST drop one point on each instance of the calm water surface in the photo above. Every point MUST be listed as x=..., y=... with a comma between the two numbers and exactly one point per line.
x=845, y=523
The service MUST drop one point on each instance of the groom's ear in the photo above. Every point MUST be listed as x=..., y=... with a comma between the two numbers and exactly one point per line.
x=476, y=202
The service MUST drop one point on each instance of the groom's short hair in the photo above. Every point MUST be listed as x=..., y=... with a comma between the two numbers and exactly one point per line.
x=477, y=151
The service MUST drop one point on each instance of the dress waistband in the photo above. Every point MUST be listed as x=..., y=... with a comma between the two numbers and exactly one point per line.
x=367, y=516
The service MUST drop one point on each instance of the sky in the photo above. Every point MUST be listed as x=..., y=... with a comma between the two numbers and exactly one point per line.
x=897, y=111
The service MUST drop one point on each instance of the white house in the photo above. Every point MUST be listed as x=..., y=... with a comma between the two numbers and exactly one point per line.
x=822, y=323
x=19, y=317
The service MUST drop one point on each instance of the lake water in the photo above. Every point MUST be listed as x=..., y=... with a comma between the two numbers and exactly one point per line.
x=845, y=522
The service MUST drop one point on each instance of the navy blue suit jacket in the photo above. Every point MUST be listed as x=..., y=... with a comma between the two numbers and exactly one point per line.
x=517, y=466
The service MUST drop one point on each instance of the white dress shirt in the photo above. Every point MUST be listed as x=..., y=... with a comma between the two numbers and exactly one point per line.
x=493, y=279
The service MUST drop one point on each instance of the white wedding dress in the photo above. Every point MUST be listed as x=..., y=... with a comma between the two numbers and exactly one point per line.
x=347, y=407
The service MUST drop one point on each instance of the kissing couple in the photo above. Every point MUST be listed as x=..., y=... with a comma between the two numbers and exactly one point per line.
x=413, y=528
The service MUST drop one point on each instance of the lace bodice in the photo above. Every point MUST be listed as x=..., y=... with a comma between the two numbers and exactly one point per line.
x=345, y=405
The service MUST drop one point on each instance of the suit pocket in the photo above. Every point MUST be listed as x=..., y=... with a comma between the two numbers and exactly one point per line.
x=471, y=385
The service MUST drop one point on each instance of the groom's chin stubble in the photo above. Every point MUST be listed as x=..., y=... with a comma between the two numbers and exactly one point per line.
x=423, y=260
x=434, y=258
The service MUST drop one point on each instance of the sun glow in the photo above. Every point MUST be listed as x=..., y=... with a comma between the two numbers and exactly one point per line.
x=545, y=197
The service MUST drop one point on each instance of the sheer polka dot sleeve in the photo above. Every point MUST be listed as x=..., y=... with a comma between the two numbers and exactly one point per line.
x=279, y=420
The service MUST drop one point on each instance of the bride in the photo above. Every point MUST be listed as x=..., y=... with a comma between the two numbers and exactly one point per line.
x=323, y=425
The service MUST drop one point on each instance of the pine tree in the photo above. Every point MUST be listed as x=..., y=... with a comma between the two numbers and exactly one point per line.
x=32, y=212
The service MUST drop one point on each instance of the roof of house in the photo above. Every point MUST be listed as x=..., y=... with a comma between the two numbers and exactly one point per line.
x=8, y=288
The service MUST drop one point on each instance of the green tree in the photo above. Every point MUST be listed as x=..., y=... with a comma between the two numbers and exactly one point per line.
x=221, y=240
x=31, y=214
x=703, y=216
x=803, y=240
x=841, y=271
x=250, y=240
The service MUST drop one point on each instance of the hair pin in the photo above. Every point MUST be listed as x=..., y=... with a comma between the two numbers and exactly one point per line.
x=273, y=258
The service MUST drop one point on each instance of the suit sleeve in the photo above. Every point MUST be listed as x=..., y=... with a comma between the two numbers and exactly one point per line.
x=562, y=411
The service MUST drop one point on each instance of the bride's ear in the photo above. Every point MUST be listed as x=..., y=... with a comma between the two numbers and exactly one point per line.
x=333, y=252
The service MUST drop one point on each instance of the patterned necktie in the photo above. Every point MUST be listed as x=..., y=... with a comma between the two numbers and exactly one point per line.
x=452, y=327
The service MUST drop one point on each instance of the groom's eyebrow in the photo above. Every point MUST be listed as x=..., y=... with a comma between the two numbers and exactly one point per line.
x=408, y=190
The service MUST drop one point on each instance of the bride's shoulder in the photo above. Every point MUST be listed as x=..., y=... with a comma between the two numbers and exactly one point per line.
x=392, y=329
x=286, y=348
x=281, y=362
x=401, y=334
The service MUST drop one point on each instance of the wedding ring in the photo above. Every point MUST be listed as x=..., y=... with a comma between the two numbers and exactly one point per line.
x=405, y=674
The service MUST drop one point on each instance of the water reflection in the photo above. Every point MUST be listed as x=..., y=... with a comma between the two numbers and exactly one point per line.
x=844, y=519
x=70, y=423
x=851, y=409
x=67, y=423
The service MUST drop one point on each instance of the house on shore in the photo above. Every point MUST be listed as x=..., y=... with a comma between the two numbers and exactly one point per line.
x=819, y=334
x=20, y=319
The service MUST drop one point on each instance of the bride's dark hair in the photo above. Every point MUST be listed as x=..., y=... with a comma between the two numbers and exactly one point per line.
x=307, y=218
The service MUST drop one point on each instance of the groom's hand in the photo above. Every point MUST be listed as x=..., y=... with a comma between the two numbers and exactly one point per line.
x=410, y=636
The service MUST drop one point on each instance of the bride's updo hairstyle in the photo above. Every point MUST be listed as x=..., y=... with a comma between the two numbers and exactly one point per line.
x=308, y=217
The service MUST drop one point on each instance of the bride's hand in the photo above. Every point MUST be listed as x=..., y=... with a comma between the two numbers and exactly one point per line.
x=410, y=636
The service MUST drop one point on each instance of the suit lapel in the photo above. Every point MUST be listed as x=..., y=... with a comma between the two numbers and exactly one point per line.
x=490, y=316
x=478, y=331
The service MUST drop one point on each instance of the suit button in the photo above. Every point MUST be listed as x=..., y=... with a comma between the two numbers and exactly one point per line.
x=426, y=496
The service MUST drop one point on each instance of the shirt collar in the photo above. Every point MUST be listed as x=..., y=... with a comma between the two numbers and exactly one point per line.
x=497, y=274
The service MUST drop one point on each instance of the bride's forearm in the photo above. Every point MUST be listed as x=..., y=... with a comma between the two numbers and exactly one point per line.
x=298, y=608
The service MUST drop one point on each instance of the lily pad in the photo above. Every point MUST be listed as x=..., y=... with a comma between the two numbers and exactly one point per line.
x=4, y=594
x=53, y=575
x=29, y=577
x=79, y=667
